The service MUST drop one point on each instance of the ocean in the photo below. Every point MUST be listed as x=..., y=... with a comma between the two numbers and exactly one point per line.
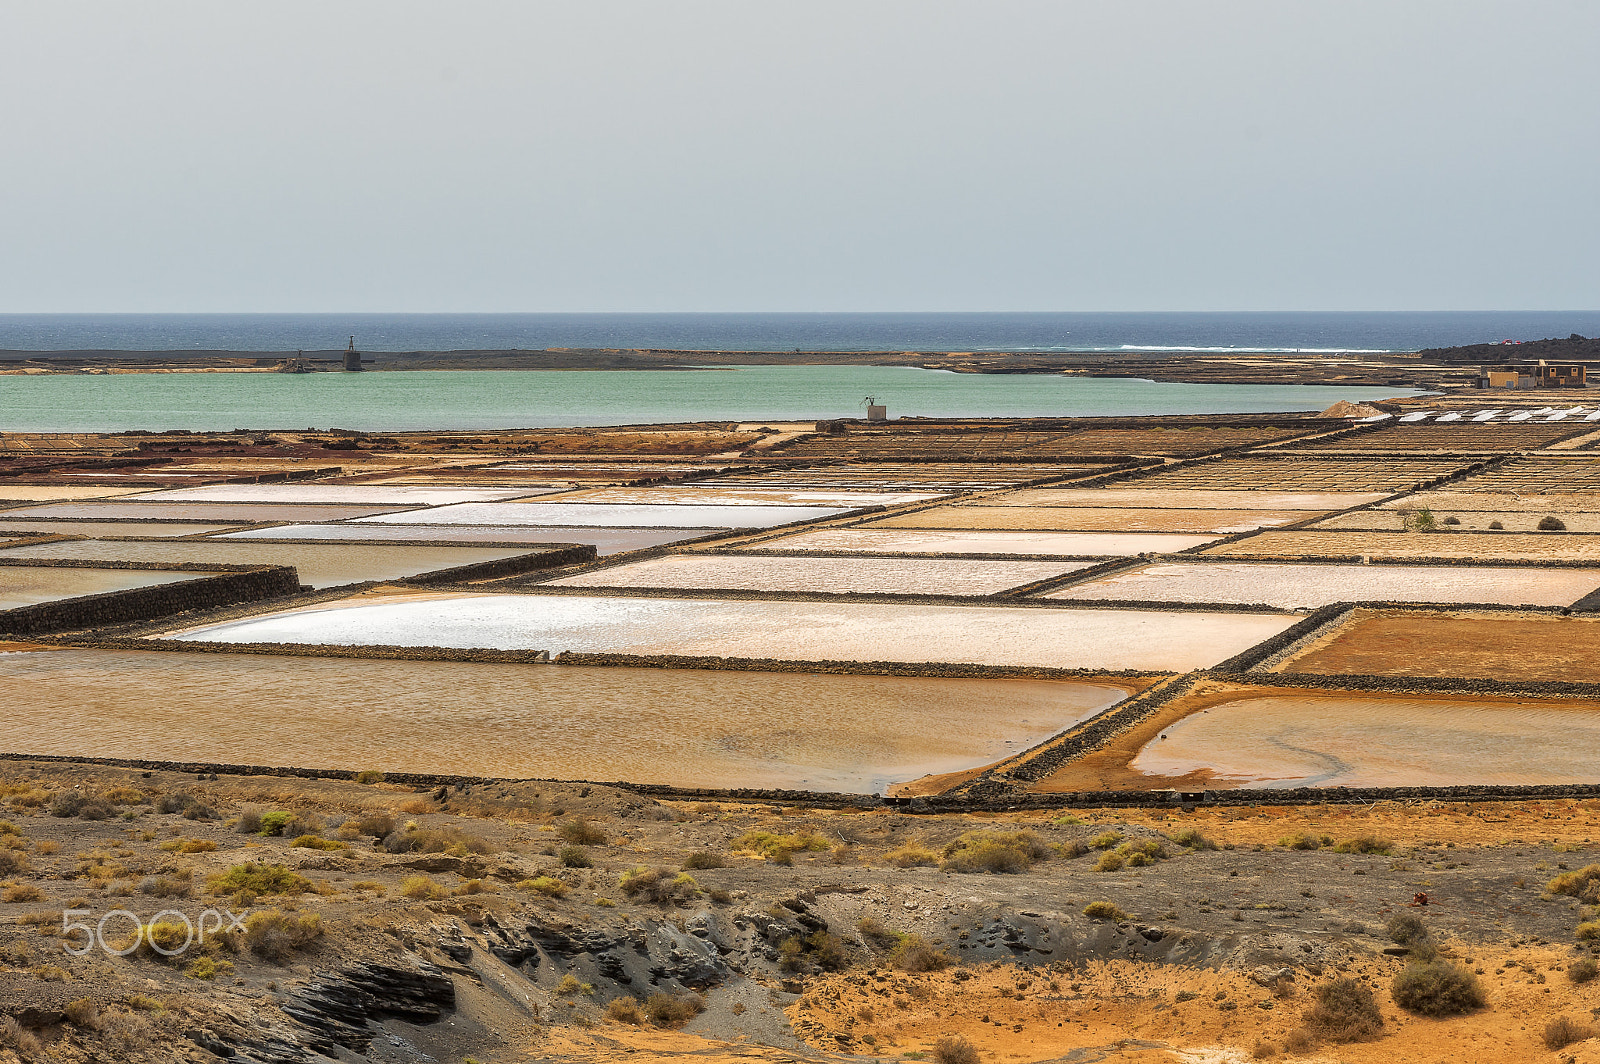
x=1142, y=332
x=489, y=399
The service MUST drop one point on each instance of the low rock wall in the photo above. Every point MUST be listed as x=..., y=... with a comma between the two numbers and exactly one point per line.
x=147, y=603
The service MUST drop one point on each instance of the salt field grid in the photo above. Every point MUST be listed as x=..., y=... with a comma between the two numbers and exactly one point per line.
x=877, y=540
x=319, y=565
x=680, y=727
x=900, y=576
x=1308, y=586
x=1085, y=519
x=601, y=515
x=606, y=541
x=29, y=585
x=346, y=494
x=1058, y=638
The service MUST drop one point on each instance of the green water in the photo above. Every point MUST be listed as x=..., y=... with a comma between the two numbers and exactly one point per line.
x=487, y=399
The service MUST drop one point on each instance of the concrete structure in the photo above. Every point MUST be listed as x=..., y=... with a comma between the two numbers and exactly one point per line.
x=352, y=357
x=1534, y=375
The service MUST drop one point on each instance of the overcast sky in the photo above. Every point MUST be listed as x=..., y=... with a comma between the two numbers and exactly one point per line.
x=860, y=155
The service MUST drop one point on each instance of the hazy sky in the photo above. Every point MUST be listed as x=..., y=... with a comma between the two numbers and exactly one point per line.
x=755, y=155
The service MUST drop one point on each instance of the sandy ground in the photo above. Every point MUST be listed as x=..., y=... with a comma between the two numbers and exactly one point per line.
x=1487, y=546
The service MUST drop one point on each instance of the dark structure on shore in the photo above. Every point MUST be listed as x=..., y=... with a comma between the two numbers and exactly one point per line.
x=352, y=357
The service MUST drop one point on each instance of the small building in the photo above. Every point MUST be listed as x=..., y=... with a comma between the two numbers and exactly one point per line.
x=1534, y=375
x=352, y=357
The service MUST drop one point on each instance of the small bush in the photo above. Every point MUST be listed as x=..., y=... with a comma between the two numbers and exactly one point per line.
x=915, y=955
x=1584, y=884
x=658, y=886
x=188, y=846
x=75, y=803
x=368, y=777
x=1562, y=1031
x=204, y=967
x=12, y=862
x=1104, y=910
x=1588, y=932
x=191, y=807
x=18, y=1037
x=317, y=842
x=571, y=984
x=877, y=933
x=780, y=849
x=22, y=892
x=83, y=1013
x=624, y=1010
x=1437, y=988
x=670, y=1010
x=177, y=885
x=549, y=886
x=1497, y=526
x=1552, y=524
x=277, y=935
x=1105, y=840
x=414, y=839
x=1452, y=520
x=994, y=851
x=274, y=822
x=1406, y=929
x=581, y=832
x=1303, y=841
x=702, y=859
x=1345, y=1011
x=1192, y=839
x=1583, y=970
x=248, y=822
x=1110, y=861
x=1365, y=844
x=421, y=888
x=375, y=825
x=911, y=855
x=953, y=1049
x=258, y=879
x=575, y=857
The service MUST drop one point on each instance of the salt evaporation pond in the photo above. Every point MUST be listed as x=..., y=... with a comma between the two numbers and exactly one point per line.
x=683, y=727
x=878, y=540
x=1097, y=639
x=610, y=515
x=904, y=576
x=1292, y=586
x=743, y=496
x=10, y=493
x=27, y=585
x=1350, y=740
x=1089, y=519
x=320, y=565
x=1185, y=499
x=604, y=540
x=349, y=494
x=245, y=513
x=157, y=529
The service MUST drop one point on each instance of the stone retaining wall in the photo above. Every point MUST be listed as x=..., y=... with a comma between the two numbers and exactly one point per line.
x=146, y=603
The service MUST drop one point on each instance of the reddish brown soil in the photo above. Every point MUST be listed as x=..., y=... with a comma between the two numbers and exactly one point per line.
x=1503, y=646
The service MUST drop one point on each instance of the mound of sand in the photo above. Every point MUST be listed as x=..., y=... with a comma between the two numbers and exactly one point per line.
x=1345, y=409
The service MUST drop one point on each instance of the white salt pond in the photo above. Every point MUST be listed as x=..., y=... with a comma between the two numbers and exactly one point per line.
x=801, y=631
x=244, y=513
x=1181, y=498
x=351, y=494
x=1307, y=586
x=28, y=585
x=880, y=540
x=905, y=576
x=1090, y=519
x=604, y=540
x=606, y=515
x=682, y=727
x=156, y=529
x=318, y=564
x=1347, y=740
x=11, y=493
x=697, y=495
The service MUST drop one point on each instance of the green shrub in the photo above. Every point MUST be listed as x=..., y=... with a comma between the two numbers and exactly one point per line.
x=274, y=822
x=1345, y=1011
x=317, y=842
x=673, y=1010
x=911, y=855
x=582, y=832
x=702, y=859
x=415, y=839
x=1437, y=988
x=1583, y=884
x=549, y=886
x=421, y=888
x=1103, y=910
x=1110, y=861
x=994, y=851
x=1365, y=844
x=276, y=935
x=658, y=886
x=1588, y=932
x=1303, y=841
x=780, y=849
x=915, y=955
x=575, y=857
x=1105, y=840
x=258, y=880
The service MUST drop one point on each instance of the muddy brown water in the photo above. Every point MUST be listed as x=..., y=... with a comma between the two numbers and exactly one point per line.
x=1351, y=740
x=680, y=727
x=26, y=585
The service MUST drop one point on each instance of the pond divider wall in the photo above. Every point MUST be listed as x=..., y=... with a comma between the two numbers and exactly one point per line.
x=148, y=603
